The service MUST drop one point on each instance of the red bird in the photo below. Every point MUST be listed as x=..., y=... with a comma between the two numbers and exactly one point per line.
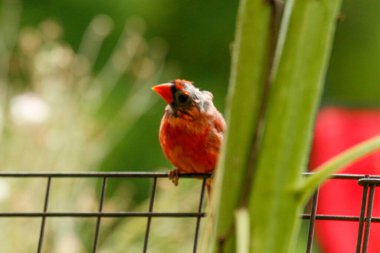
x=191, y=130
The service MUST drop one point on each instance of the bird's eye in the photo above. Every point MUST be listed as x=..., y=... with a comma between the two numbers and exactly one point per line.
x=182, y=98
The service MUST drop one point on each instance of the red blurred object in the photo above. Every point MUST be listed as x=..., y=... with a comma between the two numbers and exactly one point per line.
x=336, y=130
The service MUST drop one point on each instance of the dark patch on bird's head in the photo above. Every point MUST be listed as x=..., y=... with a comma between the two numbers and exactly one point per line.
x=182, y=96
x=184, y=93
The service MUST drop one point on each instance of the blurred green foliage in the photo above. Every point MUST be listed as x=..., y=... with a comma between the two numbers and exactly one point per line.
x=198, y=34
x=354, y=78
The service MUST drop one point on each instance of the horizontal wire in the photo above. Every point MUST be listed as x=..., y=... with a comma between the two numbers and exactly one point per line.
x=100, y=174
x=157, y=214
x=147, y=174
x=338, y=218
x=101, y=214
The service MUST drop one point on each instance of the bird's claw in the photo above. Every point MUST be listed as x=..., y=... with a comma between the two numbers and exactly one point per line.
x=174, y=176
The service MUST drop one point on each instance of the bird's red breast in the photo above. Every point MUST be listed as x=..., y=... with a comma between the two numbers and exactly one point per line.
x=191, y=130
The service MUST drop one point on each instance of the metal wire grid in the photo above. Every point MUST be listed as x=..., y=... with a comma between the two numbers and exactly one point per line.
x=364, y=219
x=369, y=183
x=44, y=214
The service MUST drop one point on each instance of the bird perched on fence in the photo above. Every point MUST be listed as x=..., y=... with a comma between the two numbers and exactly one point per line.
x=191, y=130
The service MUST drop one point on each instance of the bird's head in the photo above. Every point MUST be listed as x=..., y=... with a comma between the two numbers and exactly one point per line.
x=182, y=96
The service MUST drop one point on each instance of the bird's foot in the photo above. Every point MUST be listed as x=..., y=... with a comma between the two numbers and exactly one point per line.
x=174, y=176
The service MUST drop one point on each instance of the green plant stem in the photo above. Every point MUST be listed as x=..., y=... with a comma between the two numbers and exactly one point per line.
x=275, y=130
x=249, y=71
x=338, y=162
x=303, y=50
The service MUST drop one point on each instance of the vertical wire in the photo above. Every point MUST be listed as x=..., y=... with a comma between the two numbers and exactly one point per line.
x=100, y=209
x=313, y=213
x=43, y=221
x=199, y=215
x=149, y=220
x=369, y=218
x=361, y=218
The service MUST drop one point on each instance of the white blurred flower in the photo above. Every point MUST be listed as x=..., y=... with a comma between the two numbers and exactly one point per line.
x=69, y=243
x=53, y=59
x=29, y=109
x=4, y=190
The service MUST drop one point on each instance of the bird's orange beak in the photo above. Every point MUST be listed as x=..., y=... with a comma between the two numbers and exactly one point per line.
x=165, y=91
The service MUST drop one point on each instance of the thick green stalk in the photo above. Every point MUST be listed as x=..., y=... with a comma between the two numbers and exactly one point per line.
x=296, y=78
x=249, y=71
x=301, y=62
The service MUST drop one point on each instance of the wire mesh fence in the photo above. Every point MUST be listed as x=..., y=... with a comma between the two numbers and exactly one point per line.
x=363, y=220
x=99, y=214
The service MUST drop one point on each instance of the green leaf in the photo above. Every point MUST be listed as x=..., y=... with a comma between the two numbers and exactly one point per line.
x=304, y=47
x=336, y=163
x=248, y=73
x=275, y=130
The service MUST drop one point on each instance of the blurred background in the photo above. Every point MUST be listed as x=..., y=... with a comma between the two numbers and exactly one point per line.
x=75, y=80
